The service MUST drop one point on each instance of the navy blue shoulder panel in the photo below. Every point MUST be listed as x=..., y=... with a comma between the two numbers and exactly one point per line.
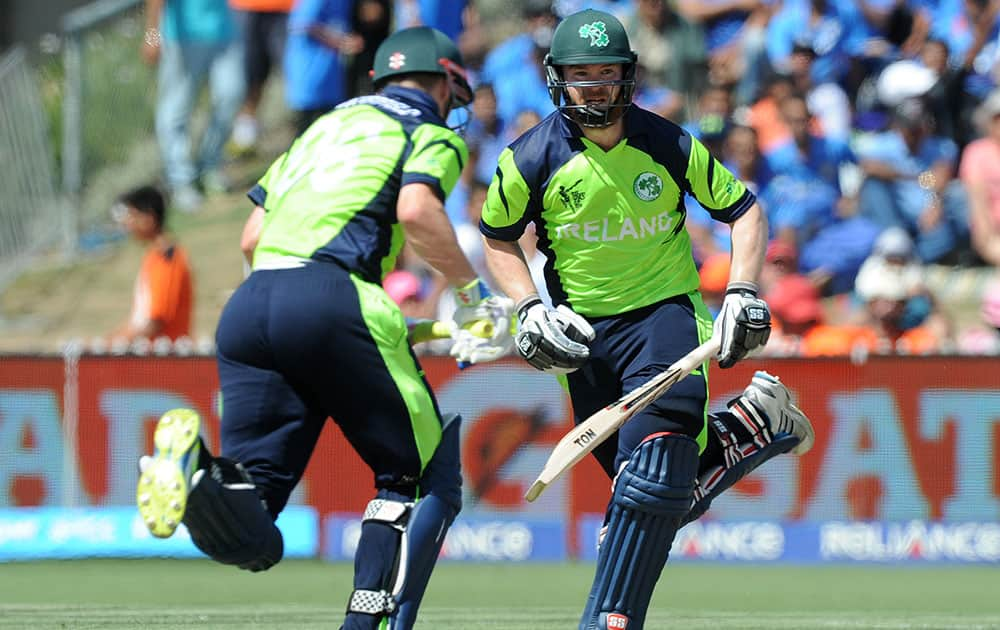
x=666, y=142
x=540, y=152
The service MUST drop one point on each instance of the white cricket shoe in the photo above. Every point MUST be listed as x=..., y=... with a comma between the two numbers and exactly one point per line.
x=165, y=478
x=769, y=394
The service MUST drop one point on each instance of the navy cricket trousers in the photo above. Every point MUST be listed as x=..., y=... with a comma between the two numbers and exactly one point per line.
x=296, y=346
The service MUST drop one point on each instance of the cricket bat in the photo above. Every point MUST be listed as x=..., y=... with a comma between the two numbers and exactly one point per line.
x=590, y=433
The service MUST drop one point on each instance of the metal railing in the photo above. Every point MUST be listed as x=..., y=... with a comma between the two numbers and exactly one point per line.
x=108, y=140
x=32, y=214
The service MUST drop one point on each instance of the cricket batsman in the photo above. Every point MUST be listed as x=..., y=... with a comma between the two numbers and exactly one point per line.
x=311, y=334
x=603, y=181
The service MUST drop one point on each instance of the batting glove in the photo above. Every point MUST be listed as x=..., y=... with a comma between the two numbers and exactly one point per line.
x=474, y=302
x=743, y=324
x=552, y=340
x=468, y=349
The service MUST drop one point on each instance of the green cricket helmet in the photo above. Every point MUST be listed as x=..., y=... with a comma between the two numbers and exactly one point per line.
x=422, y=49
x=590, y=37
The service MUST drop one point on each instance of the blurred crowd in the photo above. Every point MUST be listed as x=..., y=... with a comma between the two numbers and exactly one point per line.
x=869, y=130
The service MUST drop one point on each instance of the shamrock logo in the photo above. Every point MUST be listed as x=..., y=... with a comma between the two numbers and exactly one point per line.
x=597, y=33
x=647, y=186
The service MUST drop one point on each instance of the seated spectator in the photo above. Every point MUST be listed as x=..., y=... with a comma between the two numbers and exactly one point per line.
x=984, y=337
x=909, y=182
x=807, y=153
x=672, y=48
x=487, y=134
x=741, y=155
x=834, y=28
x=734, y=39
x=900, y=320
x=765, y=114
x=893, y=256
x=781, y=260
x=980, y=172
x=799, y=327
x=517, y=51
x=970, y=29
x=163, y=296
x=524, y=87
x=827, y=101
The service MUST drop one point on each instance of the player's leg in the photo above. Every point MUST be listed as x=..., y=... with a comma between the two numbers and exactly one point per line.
x=398, y=431
x=761, y=424
x=229, y=504
x=656, y=461
x=651, y=494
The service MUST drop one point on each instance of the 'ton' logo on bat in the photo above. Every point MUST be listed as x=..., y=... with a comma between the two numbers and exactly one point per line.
x=585, y=438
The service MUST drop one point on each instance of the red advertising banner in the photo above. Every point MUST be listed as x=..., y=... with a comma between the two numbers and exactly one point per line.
x=897, y=438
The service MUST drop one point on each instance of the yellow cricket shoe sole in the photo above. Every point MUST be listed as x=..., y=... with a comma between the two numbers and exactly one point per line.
x=163, y=484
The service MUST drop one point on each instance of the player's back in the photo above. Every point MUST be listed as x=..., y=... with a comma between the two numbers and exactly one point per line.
x=332, y=195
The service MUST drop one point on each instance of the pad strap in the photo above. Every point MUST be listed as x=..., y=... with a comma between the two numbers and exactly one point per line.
x=369, y=602
x=392, y=513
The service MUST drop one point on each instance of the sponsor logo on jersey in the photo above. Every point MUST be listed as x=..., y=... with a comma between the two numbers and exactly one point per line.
x=397, y=60
x=617, y=621
x=647, y=186
x=597, y=33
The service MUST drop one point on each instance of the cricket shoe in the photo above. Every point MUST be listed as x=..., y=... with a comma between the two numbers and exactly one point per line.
x=165, y=478
x=769, y=394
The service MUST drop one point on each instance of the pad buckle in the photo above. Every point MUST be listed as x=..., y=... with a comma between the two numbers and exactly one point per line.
x=371, y=602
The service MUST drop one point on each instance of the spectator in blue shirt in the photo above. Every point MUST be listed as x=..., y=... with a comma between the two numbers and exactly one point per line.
x=518, y=50
x=910, y=182
x=807, y=154
x=314, y=76
x=832, y=28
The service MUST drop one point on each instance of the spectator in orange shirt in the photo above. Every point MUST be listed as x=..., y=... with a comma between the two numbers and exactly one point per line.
x=263, y=29
x=162, y=301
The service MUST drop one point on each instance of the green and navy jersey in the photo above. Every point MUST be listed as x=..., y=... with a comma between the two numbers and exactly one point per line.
x=610, y=223
x=332, y=196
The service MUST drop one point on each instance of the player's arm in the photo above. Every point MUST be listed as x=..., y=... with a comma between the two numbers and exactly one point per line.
x=251, y=233
x=749, y=238
x=506, y=263
x=551, y=340
x=430, y=172
x=744, y=322
x=430, y=234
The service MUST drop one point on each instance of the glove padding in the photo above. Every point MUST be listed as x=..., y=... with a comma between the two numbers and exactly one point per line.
x=743, y=324
x=474, y=302
x=553, y=341
x=467, y=348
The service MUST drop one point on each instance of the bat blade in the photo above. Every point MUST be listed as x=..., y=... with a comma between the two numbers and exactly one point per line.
x=593, y=431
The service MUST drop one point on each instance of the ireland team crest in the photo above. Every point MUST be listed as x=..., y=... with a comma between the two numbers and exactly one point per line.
x=597, y=34
x=647, y=186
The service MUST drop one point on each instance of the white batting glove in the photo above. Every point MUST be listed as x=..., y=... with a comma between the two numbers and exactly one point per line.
x=467, y=348
x=552, y=340
x=474, y=302
x=743, y=324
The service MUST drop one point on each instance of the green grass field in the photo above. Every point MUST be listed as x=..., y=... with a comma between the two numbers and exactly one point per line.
x=310, y=594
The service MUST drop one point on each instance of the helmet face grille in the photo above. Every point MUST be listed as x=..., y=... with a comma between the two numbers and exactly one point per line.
x=591, y=115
